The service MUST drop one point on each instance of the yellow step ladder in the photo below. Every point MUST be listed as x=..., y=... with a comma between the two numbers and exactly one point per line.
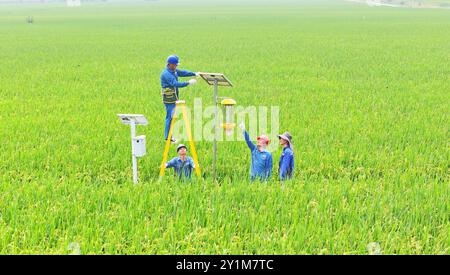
x=182, y=104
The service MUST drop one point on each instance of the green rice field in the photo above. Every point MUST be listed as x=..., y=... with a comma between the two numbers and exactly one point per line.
x=364, y=91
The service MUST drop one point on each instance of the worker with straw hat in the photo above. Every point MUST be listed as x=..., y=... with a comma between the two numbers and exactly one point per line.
x=286, y=168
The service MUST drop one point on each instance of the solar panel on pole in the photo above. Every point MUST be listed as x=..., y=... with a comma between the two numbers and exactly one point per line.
x=216, y=80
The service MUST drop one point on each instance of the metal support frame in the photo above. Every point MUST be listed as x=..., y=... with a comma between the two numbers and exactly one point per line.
x=215, y=130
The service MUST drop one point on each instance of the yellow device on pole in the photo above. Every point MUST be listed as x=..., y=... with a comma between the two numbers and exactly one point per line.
x=229, y=125
x=182, y=104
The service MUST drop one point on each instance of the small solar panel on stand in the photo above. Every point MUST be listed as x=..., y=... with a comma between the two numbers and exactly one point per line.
x=138, y=143
x=216, y=80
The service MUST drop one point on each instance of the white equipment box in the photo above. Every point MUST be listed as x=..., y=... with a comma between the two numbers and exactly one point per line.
x=138, y=146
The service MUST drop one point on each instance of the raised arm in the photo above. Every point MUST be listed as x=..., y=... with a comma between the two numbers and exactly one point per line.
x=172, y=81
x=250, y=143
x=184, y=73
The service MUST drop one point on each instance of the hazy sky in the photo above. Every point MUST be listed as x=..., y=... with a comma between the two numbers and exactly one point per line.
x=187, y=1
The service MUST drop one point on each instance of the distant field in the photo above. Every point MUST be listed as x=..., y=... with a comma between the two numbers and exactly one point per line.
x=407, y=3
x=364, y=91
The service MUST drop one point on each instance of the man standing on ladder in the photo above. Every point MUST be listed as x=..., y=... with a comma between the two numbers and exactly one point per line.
x=170, y=85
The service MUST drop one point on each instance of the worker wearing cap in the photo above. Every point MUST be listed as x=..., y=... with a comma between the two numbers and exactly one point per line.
x=182, y=165
x=262, y=162
x=286, y=168
x=170, y=86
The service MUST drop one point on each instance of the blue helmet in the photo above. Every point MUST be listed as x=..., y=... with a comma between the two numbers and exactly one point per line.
x=173, y=59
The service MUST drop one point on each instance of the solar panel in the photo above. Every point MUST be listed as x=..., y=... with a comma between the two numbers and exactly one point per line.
x=210, y=78
x=138, y=119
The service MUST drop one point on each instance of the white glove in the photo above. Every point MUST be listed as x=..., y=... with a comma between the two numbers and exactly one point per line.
x=242, y=126
x=192, y=81
x=197, y=74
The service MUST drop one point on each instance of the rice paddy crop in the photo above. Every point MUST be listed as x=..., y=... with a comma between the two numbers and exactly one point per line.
x=364, y=92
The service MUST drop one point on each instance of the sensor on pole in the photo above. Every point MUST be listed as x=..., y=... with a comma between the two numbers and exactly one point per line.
x=138, y=148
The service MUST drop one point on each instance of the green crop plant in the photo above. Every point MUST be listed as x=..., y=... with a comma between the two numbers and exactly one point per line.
x=363, y=90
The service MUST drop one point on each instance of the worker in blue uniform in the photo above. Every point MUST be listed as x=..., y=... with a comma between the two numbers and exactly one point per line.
x=169, y=89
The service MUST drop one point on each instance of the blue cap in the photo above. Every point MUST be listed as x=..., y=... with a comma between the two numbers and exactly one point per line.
x=173, y=59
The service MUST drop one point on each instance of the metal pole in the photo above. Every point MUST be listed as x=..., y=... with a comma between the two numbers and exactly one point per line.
x=135, y=173
x=215, y=127
x=133, y=134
